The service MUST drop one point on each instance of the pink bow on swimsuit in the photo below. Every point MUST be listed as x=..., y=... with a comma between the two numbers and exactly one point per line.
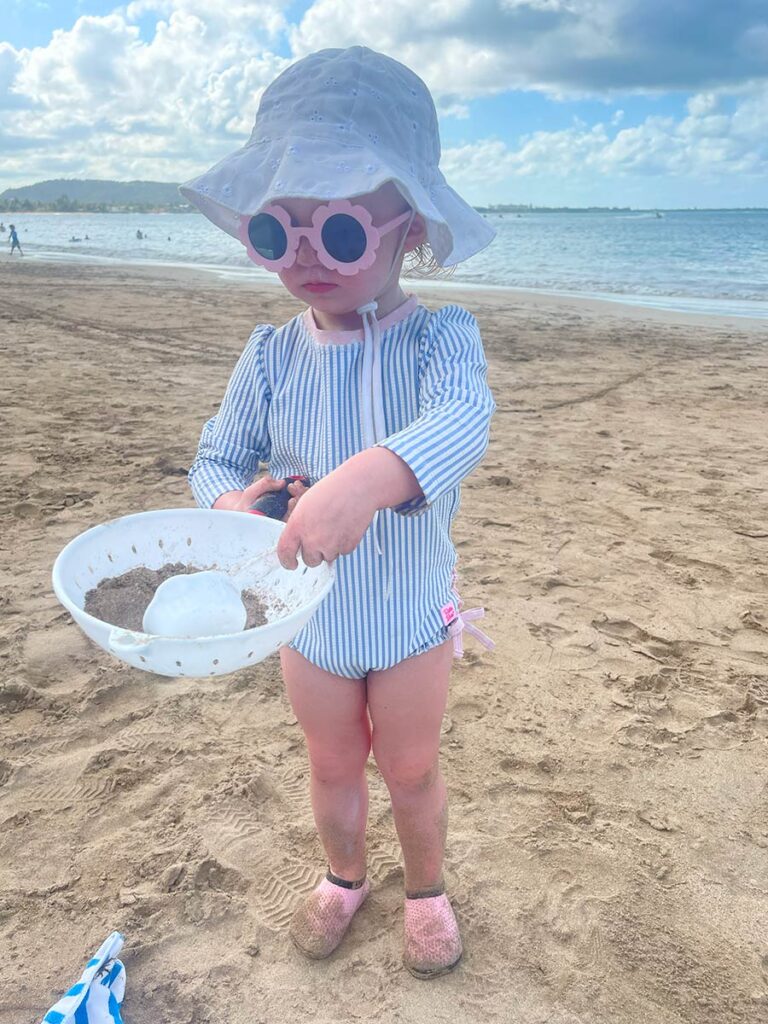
x=463, y=621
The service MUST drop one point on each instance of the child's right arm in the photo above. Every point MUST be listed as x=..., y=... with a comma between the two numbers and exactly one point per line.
x=236, y=439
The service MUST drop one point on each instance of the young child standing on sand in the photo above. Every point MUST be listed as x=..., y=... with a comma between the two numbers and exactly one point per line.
x=384, y=406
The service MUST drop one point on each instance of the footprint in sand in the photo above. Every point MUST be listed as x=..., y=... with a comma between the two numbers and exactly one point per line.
x=564, y=648
x=233, y=832
x=642, y=734
x=108, y=773
x=567, y=917
x=28, y=510
x=18, y=697
x=293, y=783
x=384, y=864
x=464, y=711
x=53, y=656
x=694, y=567
x=211, y=876
x=51, y=790
x=279, y=891
x=638, y=639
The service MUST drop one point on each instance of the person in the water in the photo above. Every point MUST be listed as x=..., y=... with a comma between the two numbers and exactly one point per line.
x=14, y=240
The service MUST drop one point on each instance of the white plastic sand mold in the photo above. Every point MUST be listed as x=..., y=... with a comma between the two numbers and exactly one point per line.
x=204, y=538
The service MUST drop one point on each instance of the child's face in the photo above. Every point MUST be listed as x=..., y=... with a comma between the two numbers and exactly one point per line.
x=351, y=291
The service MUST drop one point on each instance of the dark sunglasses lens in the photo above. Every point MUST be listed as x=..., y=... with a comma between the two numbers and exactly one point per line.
x=267, y=236
x=344, y=238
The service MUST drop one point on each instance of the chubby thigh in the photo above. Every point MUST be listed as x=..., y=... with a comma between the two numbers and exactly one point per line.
x=397, y=712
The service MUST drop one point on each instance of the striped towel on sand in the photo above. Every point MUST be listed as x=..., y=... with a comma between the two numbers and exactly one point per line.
x=96, y=998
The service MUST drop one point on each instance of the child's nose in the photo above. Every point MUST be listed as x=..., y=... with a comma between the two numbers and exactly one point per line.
x=306, y=254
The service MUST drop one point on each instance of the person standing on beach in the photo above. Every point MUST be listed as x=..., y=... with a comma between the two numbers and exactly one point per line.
x=14, y=240
x=385, y=407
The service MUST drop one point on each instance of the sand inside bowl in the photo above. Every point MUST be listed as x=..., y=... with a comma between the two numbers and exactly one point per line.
x=122, y=600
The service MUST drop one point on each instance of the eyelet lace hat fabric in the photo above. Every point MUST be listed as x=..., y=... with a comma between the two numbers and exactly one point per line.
x=336, y=124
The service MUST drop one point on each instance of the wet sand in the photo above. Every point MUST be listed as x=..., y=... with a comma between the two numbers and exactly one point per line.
x=606, y=764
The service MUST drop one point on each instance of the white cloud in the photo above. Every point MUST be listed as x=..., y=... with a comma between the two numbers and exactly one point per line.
x=564, y=47
x=702, y=103
x=10, y=65
x=99, y=100
x=703, y=145
x=192, y=88
x=104, y=98
x=77, y=66
x=224, y=17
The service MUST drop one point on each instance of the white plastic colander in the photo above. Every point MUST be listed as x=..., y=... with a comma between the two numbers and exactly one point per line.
x=192, y=536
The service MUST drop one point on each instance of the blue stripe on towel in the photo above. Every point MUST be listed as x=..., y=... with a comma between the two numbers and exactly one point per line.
x=96, y=997
x=114, y=1010
x=109, y=978
x=81, y=1013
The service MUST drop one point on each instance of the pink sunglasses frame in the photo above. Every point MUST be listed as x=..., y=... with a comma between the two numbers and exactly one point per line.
x=320, y=215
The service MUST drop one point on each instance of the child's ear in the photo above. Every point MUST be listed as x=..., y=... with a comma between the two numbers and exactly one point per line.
x=417, y=233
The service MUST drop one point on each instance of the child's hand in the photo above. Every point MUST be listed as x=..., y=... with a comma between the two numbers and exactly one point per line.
x=328, y=521
x=296, y=488
x=241, y=501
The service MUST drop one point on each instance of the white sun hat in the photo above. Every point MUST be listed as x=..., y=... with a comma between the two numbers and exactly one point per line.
x=337, y=124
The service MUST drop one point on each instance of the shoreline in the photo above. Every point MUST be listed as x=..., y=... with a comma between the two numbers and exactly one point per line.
x=652, y=308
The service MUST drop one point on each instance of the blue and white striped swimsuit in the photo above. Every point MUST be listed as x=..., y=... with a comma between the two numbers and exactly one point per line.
x=294, y=402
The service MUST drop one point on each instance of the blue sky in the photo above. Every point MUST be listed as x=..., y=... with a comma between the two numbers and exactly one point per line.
x=579, y=102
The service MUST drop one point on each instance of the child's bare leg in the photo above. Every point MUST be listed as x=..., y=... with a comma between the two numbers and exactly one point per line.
x=333, y=714
x=406, y=704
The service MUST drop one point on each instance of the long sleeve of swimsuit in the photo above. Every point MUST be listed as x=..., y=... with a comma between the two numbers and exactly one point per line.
x=448, y=438
x=236, y=439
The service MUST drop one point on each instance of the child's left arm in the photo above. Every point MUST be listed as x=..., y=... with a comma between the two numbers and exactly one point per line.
x=411, y=469
x=449, y=437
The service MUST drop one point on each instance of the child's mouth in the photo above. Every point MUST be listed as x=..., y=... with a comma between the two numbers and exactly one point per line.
x=319, y=287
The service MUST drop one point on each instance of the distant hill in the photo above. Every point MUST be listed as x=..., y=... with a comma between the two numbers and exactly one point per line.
x=119, y=193
x=65, y=195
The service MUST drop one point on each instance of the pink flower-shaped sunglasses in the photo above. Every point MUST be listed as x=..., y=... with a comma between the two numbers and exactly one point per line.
x=342, y=234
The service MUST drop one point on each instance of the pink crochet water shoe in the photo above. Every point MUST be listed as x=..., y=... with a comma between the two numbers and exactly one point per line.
x=432, y=940
x=320, y=923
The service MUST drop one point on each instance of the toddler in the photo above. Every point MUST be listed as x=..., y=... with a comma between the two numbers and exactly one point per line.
x=385, y=408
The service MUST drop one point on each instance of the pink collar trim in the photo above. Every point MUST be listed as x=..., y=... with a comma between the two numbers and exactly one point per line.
x=342, y=337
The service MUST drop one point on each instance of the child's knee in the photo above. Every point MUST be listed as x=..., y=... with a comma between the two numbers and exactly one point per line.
x=410, y=775
x=332, y=766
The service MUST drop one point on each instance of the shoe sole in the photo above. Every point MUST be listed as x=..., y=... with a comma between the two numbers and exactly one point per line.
x=436, y=973
x=315, y=956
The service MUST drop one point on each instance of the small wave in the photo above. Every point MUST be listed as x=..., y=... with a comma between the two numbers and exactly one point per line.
x=717, y=306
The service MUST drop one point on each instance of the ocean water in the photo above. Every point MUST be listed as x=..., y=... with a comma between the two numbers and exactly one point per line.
x=698, y=261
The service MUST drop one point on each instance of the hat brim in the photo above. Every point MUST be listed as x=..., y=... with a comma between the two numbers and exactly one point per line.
x=244, y=181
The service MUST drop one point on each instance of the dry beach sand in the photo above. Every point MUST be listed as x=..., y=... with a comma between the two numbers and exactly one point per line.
x=608, y=847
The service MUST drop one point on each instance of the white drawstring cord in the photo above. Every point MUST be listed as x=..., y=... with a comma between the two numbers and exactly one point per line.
x=370, y=393
x=371, y=336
